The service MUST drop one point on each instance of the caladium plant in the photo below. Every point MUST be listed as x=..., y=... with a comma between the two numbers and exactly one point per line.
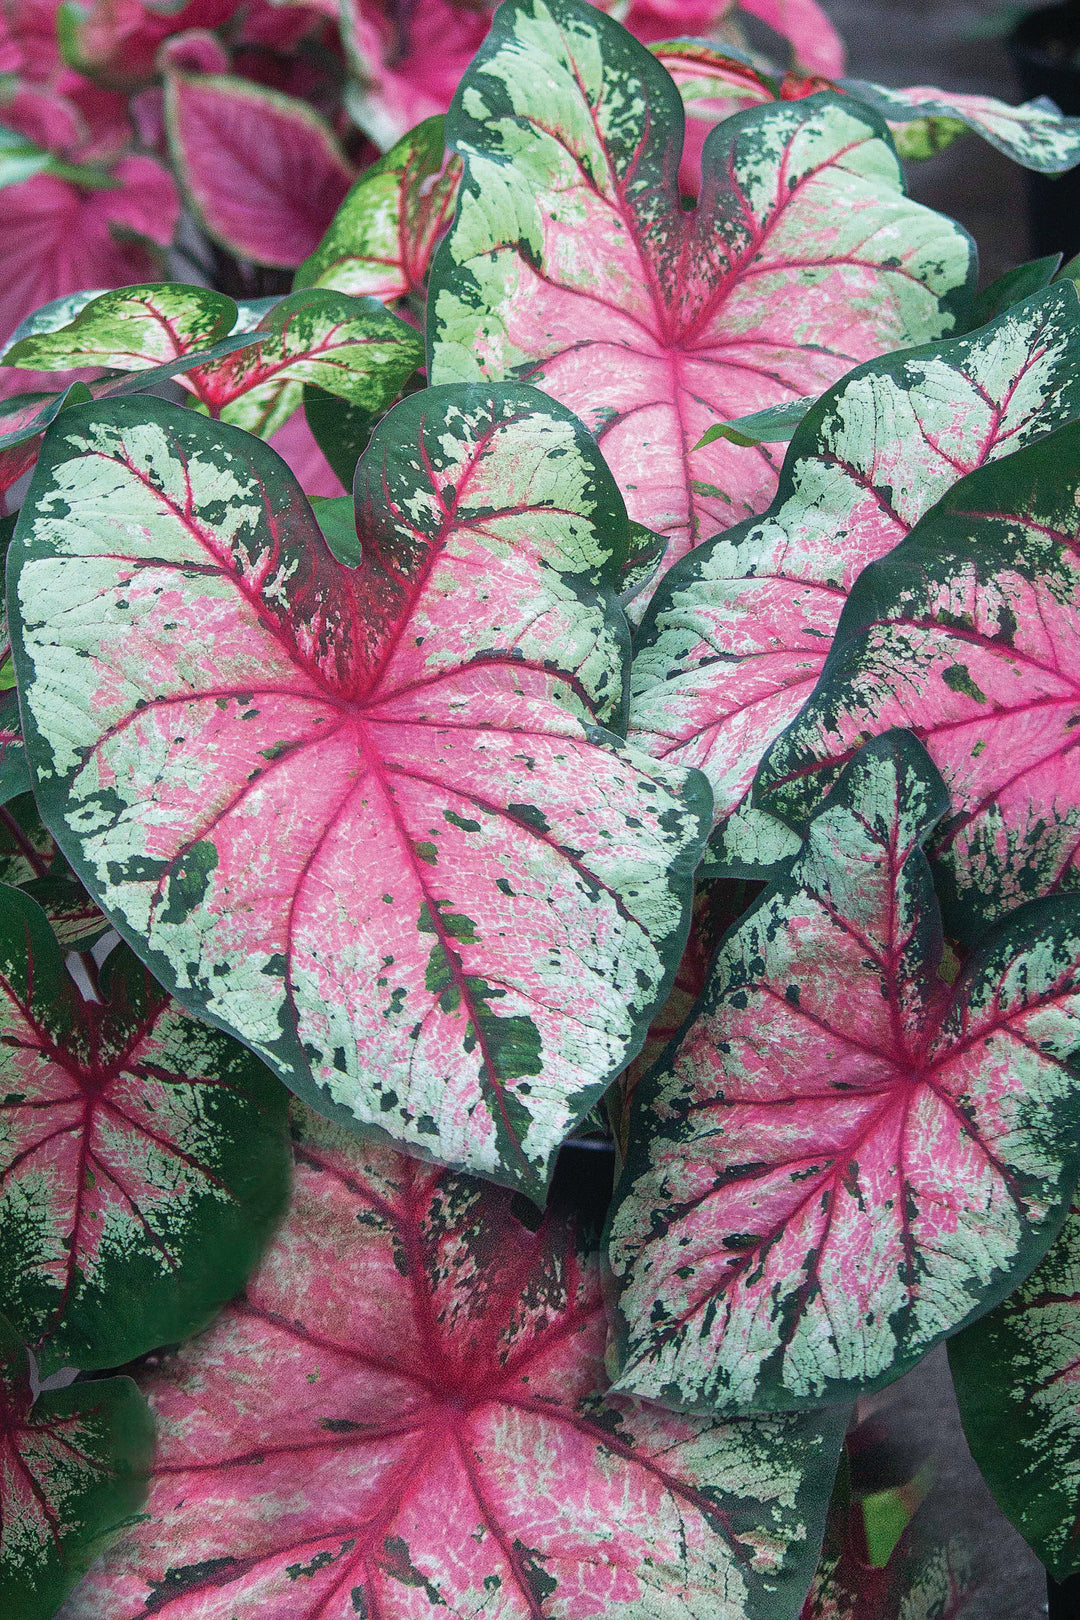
x=378, y=793
x=819, y=1187
x=407, y=1414
x=572, y=262
x=435, y=708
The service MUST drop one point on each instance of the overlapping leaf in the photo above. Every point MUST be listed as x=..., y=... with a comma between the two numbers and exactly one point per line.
x=845, y=1161
x=1016, y=1375
x=244, y=366
x=73, y=1469
x=573, y=264
x=382, y=237
x=738, y=634
x=363, y=818
x=968, y=634
x=143, y=1158
x=407, y=1416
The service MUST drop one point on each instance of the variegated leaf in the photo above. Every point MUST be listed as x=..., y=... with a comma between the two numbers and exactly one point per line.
x=408, y=1416
x=573, y=264
x=1035, y=134
x=73, y=1471
x=363, y=818
x=1017, y=1376
x=382, y=237
x=130, y=329
x=845, y=1161
x=738, y=634
x=237, y=363
x=143, y=1155
x=968, y=634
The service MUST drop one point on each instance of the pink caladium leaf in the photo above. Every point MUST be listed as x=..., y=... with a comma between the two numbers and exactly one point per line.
x=968, y=634
x=820, y=1186
x=372, y=828
x=738, y=634
x=239, y=370
x=573, y=264
x=381, y=239
x=407, y=1416
x=73, y=1471
x=1016, y=1376
x=263, y=171
x=143, y=1156
x=1035, y=134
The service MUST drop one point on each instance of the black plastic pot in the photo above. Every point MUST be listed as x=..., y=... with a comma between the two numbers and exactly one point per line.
x=1045, y=52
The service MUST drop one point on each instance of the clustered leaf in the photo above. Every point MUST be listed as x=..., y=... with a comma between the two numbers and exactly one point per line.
x=407, y=1414
x=776, y=903
x=966, y=633
x=738, y=634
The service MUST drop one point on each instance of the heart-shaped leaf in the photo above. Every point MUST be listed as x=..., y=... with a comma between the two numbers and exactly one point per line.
x=262, y=170
x=844, y=1161
x=143, y=1156
x=363, y=818
x=237, y=368
x=73, y=1471
x=382, y=237
x=1016, y=1381
x=573, y=264
x=737, y=635
x=968, y=634
x=1035, y=134
x=407, y=1416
